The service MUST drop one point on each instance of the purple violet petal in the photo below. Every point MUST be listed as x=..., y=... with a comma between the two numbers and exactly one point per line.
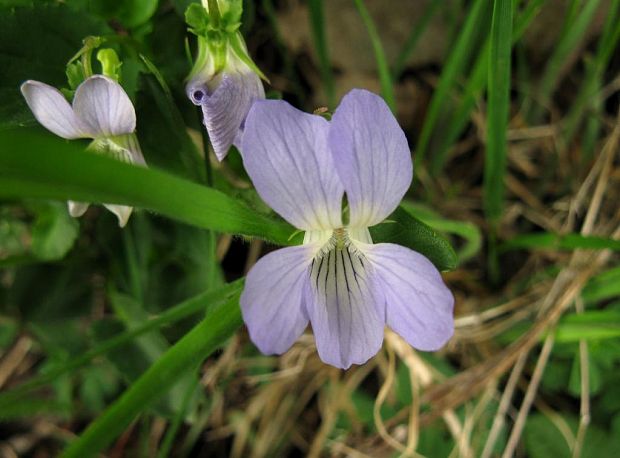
x=285, y=154
x=103, y=105
x=346, y=314
x=418, y=304
x=53, y=111
x=372, y=157
x=224, y=110
x=271, y=302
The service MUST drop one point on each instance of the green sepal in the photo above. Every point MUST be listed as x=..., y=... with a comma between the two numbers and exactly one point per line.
x=197, y=19
x=236, y=43
x=231, y=16
x=75, y=75
x=110, y=63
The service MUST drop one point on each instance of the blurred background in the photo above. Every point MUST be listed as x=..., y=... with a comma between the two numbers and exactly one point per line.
x=532, y=368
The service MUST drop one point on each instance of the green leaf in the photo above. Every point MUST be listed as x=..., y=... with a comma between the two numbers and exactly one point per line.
x=30, y=166
x=35, y=43
x=404, y=229
x=605, y=285
x=181, y=358
x=551, y=241
x=498, y=108
x=146, y=349
x=591, y=325
x=453, y=67
x=476, y=83
x=575, y=27
x=319, y=37
x=468, y=231
x=54, y=231
x=28, y=408
x=543, y=439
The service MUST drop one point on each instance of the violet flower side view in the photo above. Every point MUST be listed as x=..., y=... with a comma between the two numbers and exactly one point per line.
x=224, y=81
x=102, y=111
x=225, y=99
x=348, y=288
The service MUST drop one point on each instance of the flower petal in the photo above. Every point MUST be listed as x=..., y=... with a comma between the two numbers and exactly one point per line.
x=271, y=302
x=52, y=110
x=103, y=105
x=122, y=212
x=224, y=110
x=372, y=157
x=346, y=315
x=418, y=304
x=285, y=154
x=77, y=209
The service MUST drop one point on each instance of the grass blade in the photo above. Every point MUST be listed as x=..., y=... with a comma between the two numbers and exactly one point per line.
x=574, y=31
x=476, y=84
x=317, y=25
x=453, y=67
x=382, y=66
x=498, y=109
x=45, y=167
x=184, y=356
x=586, y=100
x=560, y=242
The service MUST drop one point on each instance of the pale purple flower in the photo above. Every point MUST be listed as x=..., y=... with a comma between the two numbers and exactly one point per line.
x=225, y=97
x=347, y=287
x=101, y=110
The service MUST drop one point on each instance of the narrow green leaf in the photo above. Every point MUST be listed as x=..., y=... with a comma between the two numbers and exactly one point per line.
x=476, y=83
x=498, y=108
x=317, y=24
x=590, y=325
x=28, y=408
x=575, y=29
x=184, y=356
x=453, y=67
x=404, y=229
x=586, y=98
x=382, y=66
x=603, y=286
x=46, y=167
x=560, y=242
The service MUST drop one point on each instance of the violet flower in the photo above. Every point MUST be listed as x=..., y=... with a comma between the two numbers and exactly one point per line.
x=225, y=97
x=346, y=286
x=224, y=81
x=101, y=110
